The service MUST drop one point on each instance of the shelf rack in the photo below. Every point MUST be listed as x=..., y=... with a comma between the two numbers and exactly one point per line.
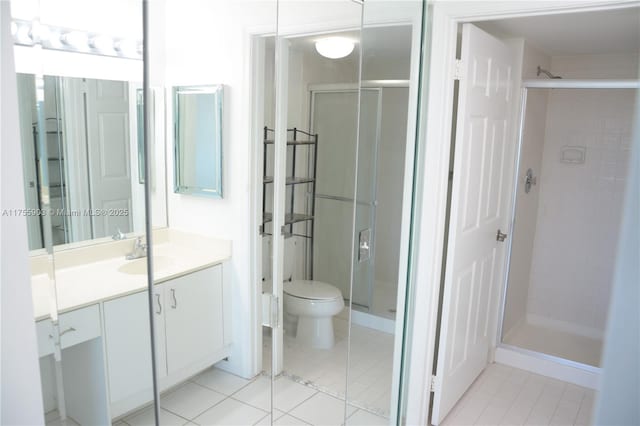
x=296, y=139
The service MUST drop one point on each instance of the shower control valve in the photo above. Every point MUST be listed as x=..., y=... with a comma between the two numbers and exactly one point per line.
x=529, y=180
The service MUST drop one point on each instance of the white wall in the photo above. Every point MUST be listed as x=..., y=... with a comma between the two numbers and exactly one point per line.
x=207, y=42
x=580, y=205
x=617, y=402
x=20, y=396
x=527, y=204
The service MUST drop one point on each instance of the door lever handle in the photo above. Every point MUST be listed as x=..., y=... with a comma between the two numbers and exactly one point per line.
x=500, y=236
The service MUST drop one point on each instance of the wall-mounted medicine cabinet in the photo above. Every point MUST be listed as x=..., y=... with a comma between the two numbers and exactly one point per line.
x=198, y=140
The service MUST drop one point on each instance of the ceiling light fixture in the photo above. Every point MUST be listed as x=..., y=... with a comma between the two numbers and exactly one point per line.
x=335, y=47
x=33, y=33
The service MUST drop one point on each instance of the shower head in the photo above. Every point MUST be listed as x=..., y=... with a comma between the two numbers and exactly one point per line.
x=547, y=73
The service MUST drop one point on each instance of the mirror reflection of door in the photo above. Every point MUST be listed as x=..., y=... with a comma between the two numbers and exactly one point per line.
x=89, y=127
x=107, y=121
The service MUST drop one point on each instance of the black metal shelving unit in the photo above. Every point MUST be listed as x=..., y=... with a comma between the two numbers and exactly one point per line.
x=55, y=161
x=296, y=140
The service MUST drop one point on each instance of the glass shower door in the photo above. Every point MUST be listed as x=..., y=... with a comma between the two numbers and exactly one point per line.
x=366, y=202
x=336, y=193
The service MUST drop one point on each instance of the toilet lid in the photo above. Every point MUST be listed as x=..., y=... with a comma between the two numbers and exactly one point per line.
x=316, y=290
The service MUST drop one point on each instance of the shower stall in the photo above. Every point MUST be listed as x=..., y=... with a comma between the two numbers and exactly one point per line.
x=575, y=137
x=382, y=132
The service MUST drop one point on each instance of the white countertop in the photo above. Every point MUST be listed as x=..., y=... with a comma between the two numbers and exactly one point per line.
x=79, y=284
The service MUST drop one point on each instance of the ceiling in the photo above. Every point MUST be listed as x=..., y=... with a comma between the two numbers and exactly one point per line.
x=585, y=33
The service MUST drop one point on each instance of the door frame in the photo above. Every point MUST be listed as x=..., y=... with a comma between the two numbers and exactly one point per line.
x=433, y=156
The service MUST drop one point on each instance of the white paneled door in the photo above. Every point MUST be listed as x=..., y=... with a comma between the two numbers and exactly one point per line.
x=479, y=206
x=109, y=162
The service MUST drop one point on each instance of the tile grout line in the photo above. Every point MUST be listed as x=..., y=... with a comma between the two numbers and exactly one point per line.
x=262, y=418
x=302, y=402
x=250, y=381
x=201, y=413
x=522, y=386
x=558, y=405
x=540, y=392
x=492, y=395
x=584, y=396
x=538, y=399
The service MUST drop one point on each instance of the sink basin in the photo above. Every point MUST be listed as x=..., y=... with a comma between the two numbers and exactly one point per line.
x=139, y=266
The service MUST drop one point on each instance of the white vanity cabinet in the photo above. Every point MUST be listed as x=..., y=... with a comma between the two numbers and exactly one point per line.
x=189, y=325
x=82, y=364
x=194, y=321
x=128, y=349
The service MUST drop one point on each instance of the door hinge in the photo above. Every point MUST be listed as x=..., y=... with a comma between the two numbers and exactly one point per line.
x=270, y=310
x=432, y=384
x=457, y=71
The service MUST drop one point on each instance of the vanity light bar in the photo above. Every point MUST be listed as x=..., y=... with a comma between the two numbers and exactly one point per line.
x=29, y=33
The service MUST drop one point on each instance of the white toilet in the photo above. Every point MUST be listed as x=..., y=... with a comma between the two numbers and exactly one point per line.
x=309, y=306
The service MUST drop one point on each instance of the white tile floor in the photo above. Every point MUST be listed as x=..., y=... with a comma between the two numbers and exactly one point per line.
x=371, y=365
x=500, y=396
x=215, y=397
x=508, y=396
x=558, y=343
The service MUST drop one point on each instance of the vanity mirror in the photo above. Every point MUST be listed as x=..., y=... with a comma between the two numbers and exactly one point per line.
x=92, y=151
x=198, y=140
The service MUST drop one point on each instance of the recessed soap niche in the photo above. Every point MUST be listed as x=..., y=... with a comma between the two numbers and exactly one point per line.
x=573, y=154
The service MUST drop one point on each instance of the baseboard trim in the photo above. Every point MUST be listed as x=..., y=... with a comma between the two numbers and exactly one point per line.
x=550, y=366
x=364, y=319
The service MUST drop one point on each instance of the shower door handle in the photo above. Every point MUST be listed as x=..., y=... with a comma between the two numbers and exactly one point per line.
x=364, y=245
x=500, y=236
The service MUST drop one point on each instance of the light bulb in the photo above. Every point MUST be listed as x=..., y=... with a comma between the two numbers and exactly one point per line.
x=23, y=34
x=127, y=48
x=55, y=39
x=335, y=47
x=102, y=43
x=76, y=39
x=39, y=32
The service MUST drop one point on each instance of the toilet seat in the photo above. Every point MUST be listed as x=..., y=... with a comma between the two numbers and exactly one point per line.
x=312, y=290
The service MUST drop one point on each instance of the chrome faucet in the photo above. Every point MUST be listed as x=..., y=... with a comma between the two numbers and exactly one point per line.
x=139, y=250
x=118, y=235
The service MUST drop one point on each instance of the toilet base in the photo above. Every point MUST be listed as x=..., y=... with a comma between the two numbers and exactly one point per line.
x=315, y=332
x=290, y=324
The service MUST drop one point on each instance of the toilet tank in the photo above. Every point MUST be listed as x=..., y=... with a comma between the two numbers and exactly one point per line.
x=290, y=256
x=292, y=248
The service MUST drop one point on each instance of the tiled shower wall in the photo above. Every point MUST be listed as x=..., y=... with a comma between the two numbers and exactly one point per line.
x=578, y=214
x=527, y=205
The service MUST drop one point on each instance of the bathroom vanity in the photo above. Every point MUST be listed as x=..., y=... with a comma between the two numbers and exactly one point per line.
x=103, y=321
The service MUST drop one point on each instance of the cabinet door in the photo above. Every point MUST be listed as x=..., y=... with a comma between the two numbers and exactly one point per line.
x=194, y=325
x=128, y=347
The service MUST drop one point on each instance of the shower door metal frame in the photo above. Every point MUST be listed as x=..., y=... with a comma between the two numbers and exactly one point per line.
x=544, y=84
